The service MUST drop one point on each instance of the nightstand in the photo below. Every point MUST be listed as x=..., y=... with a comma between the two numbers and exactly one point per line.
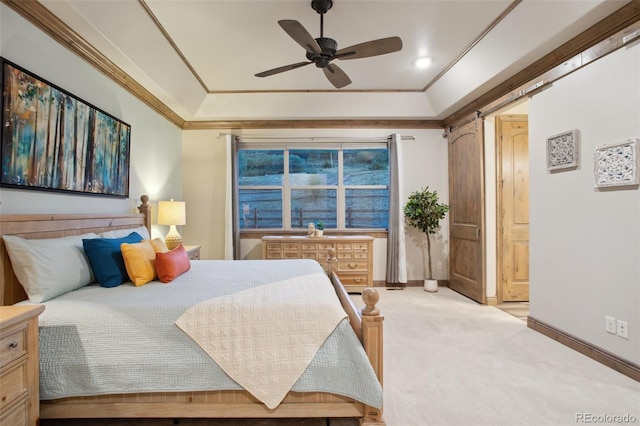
x=193, y=252
x=19, y=369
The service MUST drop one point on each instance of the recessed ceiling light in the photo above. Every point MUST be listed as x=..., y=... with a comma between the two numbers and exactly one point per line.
x=423, y=62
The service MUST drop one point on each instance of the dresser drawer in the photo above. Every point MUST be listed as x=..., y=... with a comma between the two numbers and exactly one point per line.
x=353, y=265
x=290, y=255
x=17, y=415
x=344, y=246
x=361, y=246
x=14, y=384
x=354, y=279
x=274, y=255
x=13, y=346
x=274, y=246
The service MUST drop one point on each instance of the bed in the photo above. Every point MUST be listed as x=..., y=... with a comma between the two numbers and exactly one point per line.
x=232, y=402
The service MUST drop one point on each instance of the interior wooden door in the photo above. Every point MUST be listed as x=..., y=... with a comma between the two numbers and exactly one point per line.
x=466, y=218
x=512, y=133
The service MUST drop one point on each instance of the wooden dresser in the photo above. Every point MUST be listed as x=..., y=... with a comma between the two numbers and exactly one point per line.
x=19, y=369
x=354, y=255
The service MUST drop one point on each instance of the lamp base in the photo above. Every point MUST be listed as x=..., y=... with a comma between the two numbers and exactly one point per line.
x=173, y=239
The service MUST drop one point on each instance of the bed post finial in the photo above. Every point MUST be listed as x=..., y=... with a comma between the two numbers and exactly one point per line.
x=145, y=209
x=332, y=261
x=370, y=297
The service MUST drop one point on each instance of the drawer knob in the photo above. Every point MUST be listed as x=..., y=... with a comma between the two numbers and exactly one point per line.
x=13, y=345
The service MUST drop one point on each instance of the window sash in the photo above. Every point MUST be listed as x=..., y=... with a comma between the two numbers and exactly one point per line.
x=286, y=188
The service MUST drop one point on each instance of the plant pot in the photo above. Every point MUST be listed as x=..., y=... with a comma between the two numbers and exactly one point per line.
x=431, y=286
x=319, y=233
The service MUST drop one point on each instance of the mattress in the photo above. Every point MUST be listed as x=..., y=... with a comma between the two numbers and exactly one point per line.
x=97, y=340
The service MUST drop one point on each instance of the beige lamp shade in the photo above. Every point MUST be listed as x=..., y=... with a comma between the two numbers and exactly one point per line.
x=172, y=213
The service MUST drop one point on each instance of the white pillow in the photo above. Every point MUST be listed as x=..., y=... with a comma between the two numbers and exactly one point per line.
x=119, y=233
x=47, y=268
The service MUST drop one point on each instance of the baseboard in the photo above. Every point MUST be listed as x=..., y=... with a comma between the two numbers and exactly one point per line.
x=410, y=283
x=622, y=366
x=492, y=301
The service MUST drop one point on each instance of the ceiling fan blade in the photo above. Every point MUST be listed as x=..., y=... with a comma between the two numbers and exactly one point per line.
x=282, y=69
x=297, y=32
x=336, y=76
x=377, y=47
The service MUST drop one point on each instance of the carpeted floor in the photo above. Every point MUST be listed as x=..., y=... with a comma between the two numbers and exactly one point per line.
x=449, y=361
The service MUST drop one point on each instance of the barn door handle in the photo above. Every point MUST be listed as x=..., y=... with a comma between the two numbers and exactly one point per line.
x=477, y=233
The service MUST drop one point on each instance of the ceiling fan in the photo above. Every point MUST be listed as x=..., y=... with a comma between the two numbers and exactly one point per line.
x=321, y=51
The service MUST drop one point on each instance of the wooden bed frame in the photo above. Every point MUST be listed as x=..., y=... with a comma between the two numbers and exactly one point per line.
x=367, y=324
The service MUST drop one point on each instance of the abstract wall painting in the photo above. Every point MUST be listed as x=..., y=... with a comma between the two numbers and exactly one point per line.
x=616, y=164
x=52, y=140
x=563, y=151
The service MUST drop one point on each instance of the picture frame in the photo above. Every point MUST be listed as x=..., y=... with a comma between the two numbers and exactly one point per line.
x=52, y=140
x=616, y=165
x=563, y=151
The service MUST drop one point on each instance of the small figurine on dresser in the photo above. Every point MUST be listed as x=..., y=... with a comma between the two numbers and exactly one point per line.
x=311, y=230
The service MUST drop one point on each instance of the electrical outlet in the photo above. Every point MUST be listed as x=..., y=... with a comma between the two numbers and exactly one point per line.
x=623, y=329
x=610, y=324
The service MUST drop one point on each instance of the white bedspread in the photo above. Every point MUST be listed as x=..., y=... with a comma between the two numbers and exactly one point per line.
x=265, y=337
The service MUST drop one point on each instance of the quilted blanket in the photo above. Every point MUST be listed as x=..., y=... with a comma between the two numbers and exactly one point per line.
x=265, y=337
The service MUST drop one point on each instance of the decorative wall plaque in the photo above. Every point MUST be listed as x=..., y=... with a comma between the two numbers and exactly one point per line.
x=562, y=151
x=616, y=164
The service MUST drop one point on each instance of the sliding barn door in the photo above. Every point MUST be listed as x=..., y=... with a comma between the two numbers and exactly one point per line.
x=466, y=218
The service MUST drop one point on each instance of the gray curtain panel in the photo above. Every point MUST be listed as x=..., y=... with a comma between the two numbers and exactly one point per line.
x=396, y=250
x=235, y=196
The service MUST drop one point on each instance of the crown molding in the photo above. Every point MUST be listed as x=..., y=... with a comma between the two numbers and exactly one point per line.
x=314, y=124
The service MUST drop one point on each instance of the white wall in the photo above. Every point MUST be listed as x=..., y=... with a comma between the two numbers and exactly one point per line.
x=156, y=167
x=585, y=243
x=425, y=164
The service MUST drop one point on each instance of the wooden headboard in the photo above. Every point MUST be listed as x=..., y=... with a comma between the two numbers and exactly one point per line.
x=55, y=226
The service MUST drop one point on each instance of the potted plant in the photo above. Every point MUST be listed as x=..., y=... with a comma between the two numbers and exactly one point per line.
x=319, y=228
x=423, y=211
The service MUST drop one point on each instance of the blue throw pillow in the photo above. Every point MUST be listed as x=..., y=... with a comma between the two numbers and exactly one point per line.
x=106, y=258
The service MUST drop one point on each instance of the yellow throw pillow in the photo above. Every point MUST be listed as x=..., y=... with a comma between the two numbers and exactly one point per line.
x=139, y=260
x=159, y=246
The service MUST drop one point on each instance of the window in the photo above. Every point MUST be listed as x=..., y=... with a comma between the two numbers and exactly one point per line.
x=345, y=187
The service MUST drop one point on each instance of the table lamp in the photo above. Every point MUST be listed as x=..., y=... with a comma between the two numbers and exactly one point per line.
x=172, y=213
